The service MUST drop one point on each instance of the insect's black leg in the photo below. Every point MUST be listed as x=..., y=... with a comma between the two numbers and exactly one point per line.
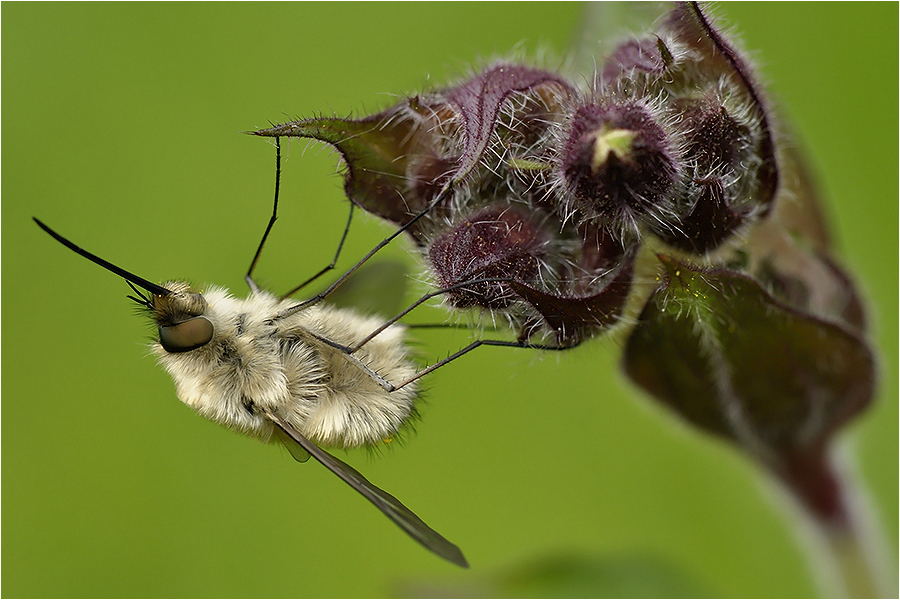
x=424, y=298
x=392, y=387
x=447, y=326
x=272, y=219
x=349, y=350
x=333, y=262
x=476, y=344
x=322, y=295
x=521, y=342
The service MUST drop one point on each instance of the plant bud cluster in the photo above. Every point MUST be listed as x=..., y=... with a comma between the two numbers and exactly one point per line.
x=546, y=191
x=536, y=199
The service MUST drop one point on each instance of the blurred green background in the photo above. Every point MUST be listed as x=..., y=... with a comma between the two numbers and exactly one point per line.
x=122, y=130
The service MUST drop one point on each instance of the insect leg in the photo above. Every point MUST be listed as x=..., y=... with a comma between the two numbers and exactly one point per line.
x=476, y=344
x=249, y=276
x=333, y=262
x=490, y=327
x=392, y=387
x=274, y=217
x=522, y=342
x=424, y=298
x=322, y=295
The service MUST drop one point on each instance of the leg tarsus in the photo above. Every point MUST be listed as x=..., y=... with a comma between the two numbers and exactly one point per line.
x=476, y=344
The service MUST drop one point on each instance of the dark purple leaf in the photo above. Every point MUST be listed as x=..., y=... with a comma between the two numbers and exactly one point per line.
x=718, y=349
x=397, y=160
x=479, y=100
x=383, y=153
x=790, y=252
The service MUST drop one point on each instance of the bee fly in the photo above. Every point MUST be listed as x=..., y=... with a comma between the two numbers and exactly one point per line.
x=302, y=374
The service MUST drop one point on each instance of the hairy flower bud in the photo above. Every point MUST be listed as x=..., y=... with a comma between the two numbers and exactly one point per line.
x=720, y=190
x=716, y=140
x=648, y=55
x=616, y=164
x=496, y=242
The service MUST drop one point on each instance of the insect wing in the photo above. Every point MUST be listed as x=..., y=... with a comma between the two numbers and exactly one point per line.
x=374, y=289
x=389, y=505
x=296, y=450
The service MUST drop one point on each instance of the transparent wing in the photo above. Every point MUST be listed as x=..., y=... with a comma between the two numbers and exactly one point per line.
x=375, y=288
x=390, y=506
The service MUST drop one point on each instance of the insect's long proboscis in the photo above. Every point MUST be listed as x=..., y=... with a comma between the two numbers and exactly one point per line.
x=139, y=281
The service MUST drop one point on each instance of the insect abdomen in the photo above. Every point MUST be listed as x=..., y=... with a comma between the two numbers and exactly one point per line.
x=352, y=409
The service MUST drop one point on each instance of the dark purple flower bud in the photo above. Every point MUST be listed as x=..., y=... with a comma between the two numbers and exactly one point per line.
x=496, y=242
x=716, y=140
x=717, y=63
x=616, y=164
x=709, y=219
x=720, y=191
x=648, y=55
x=730, y=170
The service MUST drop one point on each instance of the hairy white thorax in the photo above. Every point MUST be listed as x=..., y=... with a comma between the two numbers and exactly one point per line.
x=256, y=363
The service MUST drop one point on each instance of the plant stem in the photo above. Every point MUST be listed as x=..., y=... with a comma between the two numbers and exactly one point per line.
x=841, y=529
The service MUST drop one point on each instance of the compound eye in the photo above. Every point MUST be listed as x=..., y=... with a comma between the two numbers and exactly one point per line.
x=186, y=336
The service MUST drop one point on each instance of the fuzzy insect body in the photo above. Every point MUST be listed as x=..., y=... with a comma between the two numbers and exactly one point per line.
x=258, y=362
x=301, y=373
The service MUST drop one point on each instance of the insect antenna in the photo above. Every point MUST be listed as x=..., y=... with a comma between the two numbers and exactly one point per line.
x=141, y=298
